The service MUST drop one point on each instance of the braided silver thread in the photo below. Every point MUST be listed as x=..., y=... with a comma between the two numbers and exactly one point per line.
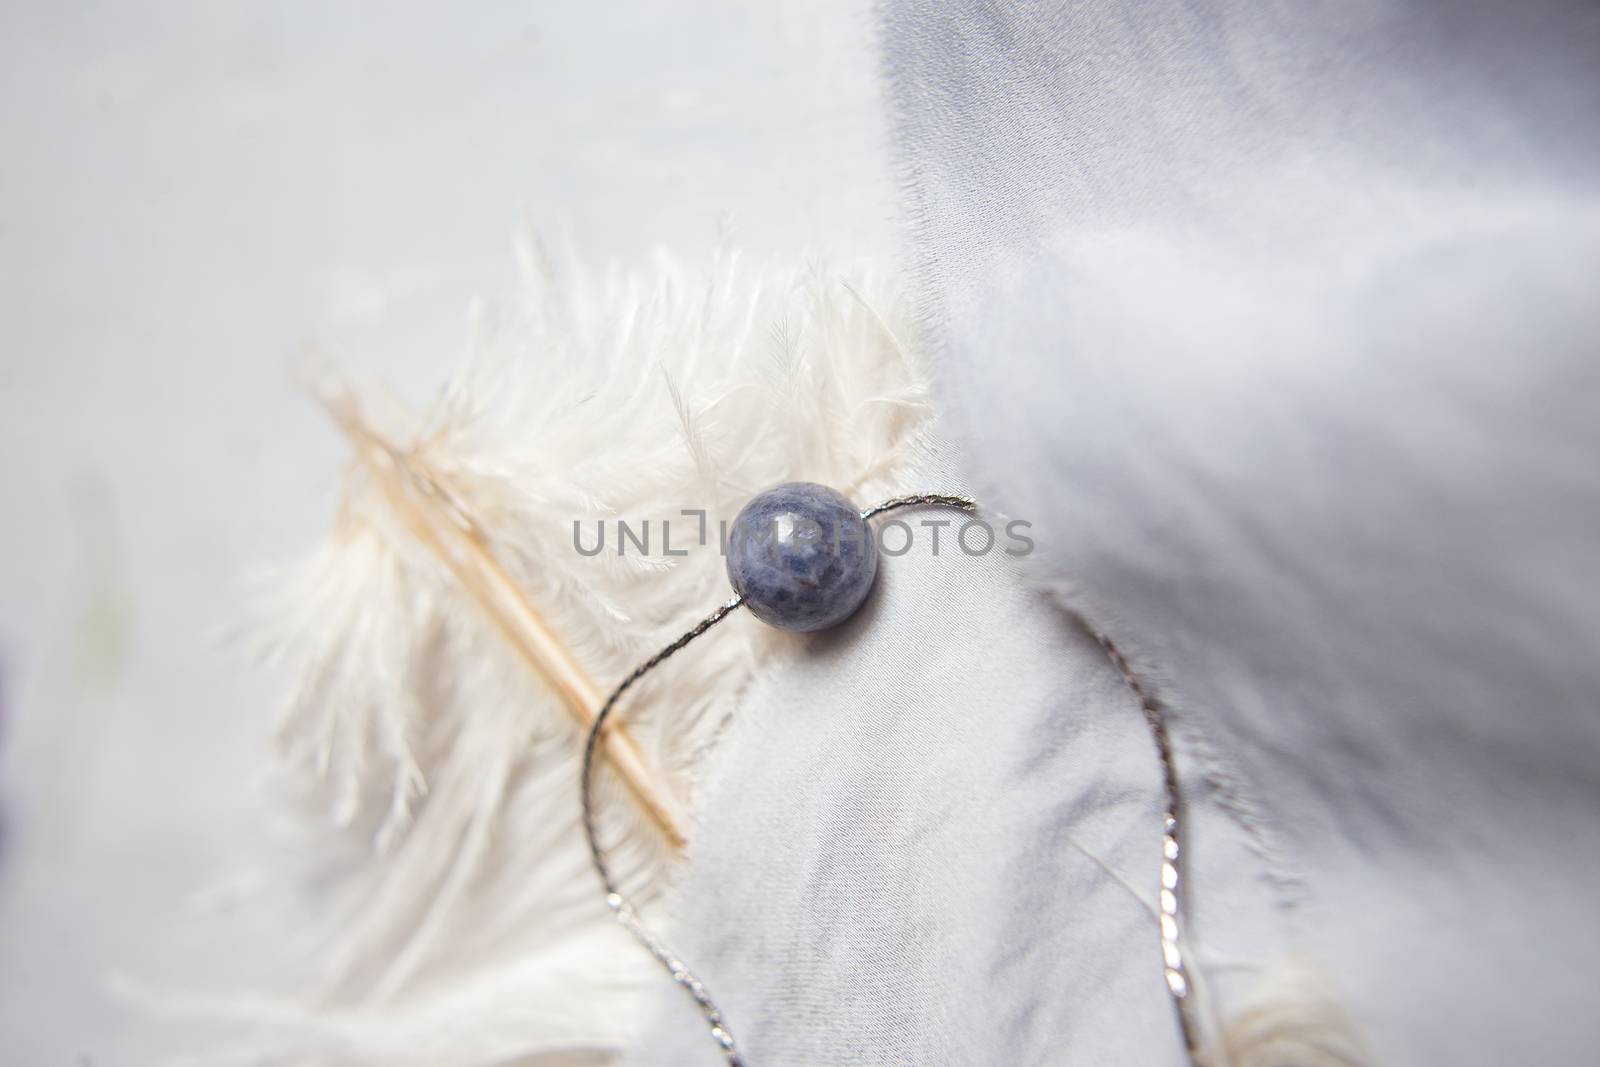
x=1173, y=953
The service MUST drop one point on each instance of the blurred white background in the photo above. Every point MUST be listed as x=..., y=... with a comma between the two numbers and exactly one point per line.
x=192, y=194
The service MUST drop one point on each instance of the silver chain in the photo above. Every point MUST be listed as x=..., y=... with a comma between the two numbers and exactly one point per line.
x=1173, y=953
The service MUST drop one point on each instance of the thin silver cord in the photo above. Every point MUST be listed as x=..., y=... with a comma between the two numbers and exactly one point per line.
x=1173, y=952
x=921, y=500
x=619, y=904
x=1174, y=956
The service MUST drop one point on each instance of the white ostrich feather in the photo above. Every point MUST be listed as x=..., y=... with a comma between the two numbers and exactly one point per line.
x=451, y=914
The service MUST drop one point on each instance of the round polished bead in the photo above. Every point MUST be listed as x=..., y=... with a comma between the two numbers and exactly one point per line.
x=802, y=557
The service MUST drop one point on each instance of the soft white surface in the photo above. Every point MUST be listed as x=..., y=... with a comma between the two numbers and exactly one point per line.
x=190, y=195
x=1280, y=320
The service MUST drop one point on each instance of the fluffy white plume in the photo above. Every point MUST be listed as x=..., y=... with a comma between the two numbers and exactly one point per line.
x=450, y=913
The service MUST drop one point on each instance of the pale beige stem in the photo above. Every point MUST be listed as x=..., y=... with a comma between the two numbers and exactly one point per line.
x=439, y=522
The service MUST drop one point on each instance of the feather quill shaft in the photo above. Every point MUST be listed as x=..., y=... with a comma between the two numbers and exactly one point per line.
x=434, y=515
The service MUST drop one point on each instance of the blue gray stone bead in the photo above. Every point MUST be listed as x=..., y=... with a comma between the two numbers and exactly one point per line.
x=802, y=557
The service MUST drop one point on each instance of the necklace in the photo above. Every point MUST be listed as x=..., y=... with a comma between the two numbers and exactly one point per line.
x=801, y=557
